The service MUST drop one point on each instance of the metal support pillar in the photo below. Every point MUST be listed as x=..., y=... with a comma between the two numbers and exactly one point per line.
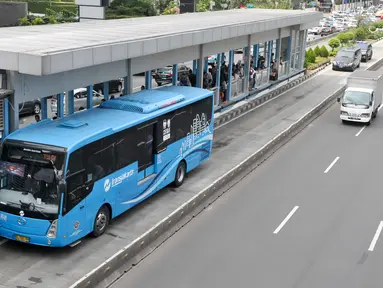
x=269, y=52
x=60, y=105
x=125, y=86
x=44, y=108
x=129, y=78
x=175, y=75
x=247, y=65
x=264, y=50
x=230, y=76
x=106, y=90
x=148, y=80
x=199, y=74
x=14, y=111
x=278, y=50
x=303, y=49
x=71, y=102
x=294, y=50
x=206, y=65
x=194, y=66
x=89, y=97
x=218, y=78
x=256, y=54
x=6, y=118
x=288, y=55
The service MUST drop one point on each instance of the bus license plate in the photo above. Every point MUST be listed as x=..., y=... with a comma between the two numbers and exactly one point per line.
x=22, y=239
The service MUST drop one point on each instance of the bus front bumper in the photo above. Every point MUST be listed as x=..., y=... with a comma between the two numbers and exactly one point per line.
x=30, y=239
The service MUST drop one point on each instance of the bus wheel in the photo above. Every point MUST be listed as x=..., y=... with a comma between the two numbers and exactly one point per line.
x=180, y=174
x=101, y=222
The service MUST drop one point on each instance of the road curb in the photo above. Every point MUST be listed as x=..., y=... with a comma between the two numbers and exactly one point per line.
x=163, y=229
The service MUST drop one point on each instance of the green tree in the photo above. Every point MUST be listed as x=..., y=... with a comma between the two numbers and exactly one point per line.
x=310, y=54
x=323, y=52
x=170, y=10
x=203, y=5
x=131, y=8
x=343, y=38
x=162, y=5
x=350, y=36
x=334, y=43
x=317, y=51
x=360, y=34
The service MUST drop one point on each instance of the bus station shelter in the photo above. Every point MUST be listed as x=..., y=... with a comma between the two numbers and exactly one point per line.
x=40, y=61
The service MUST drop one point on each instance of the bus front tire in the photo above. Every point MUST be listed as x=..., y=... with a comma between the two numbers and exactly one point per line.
x=180, y=174
x=101, y=221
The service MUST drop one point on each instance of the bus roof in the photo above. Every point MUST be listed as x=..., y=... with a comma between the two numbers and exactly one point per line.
x=76, y=130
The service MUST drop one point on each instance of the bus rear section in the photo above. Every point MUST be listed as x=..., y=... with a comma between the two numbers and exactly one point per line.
x=106, y=160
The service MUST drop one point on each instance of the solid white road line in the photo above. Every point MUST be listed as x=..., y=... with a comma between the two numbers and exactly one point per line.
x=376, y=236
x=332, y=164
x=360, y=131
x=380, y=107
x=3, y=241
x=286, y=219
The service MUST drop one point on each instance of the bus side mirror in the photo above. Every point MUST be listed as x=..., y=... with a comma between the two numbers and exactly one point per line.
x=62, y=188
x=338, y=99
x=370, y=103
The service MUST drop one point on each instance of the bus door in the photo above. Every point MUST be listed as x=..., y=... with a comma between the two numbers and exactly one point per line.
x=145, y=156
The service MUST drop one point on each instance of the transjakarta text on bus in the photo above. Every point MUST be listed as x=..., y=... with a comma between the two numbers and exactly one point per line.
x=64, y=179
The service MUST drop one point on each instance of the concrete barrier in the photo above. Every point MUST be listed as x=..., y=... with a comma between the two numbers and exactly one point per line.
x=134, y=252
x=11, y=12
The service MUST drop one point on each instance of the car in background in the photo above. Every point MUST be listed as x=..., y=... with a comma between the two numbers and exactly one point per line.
x=316, y=30
x=327, y=31
x=80, y=99
x=30, y=107
x=164, y=76
x=347, y=59
x=366, y=49
x=115, y=86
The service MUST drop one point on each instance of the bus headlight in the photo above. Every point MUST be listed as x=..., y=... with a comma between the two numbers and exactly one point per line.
x=52, y=230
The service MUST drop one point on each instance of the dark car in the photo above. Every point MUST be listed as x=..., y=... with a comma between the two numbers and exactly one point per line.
x=30, y=107
x=347, y=59
x=115, y=86
x=164, y=75
x=366, y=49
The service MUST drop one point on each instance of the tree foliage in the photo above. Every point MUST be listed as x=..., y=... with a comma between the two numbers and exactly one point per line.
x=334, y=43
x=323, y=52
x=131, y=8
x=317, y=51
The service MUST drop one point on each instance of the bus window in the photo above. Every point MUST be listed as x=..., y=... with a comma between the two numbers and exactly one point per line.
x=145, y=143
x=126, y=148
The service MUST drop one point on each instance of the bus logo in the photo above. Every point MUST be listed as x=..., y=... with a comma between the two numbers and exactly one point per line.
x=22, y=221
x=107, y=185
x=117, y=180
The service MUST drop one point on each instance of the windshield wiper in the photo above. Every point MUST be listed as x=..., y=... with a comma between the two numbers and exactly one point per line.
x=32, y=207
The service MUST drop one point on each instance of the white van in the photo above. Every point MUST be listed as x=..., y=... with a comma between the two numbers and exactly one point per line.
x=362, y=97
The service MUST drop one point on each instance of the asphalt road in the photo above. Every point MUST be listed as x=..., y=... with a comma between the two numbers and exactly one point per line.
x=307, y=217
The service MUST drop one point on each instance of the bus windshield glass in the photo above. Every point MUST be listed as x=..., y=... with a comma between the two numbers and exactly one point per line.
x=29, y=181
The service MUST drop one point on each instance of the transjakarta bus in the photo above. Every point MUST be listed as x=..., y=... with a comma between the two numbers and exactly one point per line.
x=64, y=179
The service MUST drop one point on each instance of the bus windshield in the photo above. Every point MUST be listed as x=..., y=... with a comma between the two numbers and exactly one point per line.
x=29, y=181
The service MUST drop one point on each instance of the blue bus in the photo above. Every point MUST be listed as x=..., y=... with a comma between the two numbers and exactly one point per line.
x=64, y=179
